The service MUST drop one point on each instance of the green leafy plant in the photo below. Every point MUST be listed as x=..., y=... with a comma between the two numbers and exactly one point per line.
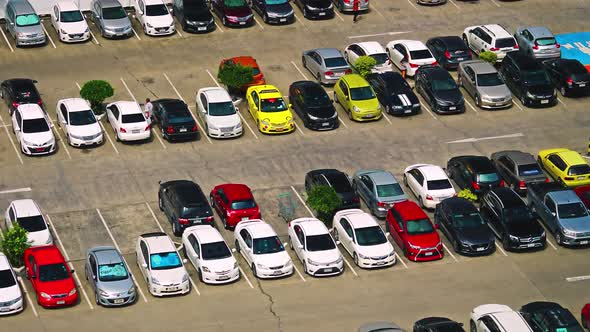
x=364, y=64
x=468, y=195
x=235, y=76
x=324, y=201
x=96, y=91
x=14, y=244
x=488, y=56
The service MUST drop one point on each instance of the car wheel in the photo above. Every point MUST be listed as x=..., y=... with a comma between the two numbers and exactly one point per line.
x=456, y=246
x=387, y=229
x=254, y=270
x=160, y=203
x=69, y=140
x=472, y=327
x=459, y=81
x=265, y=18
x=349, y=112
x=477, y=101
x=304, y=62
x=558, y=238
x=465, y=40
x=224, y=222
x=405, y=180
x=336, y=98
x=200, y=273
x=237, y=246
x=175, y=229
x=563, y=91
x=584, y=323
x=355, y=258
x=305, y=268
x=305, y=14
x=96, y=299
x=290, y=243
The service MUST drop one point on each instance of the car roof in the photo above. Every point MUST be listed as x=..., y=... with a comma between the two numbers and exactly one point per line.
x=187, y=191
x=477, y=163
x=391, y=78
x=381, y=177
x=357, y=217
x=371, y=47
x=26, y=208
x=258, y=228
x=106, y=255
x=46, y=254
x=541, y=305
x=65, y=5
x=497, y=30
x=571, y=157
x=75, y=104
x=20, y=82
x=564, y=196
x=4, y=264
x=518, y=157
x=511, y=321
x=435, y=72
x=540, y=32
x=31, y=111
x=524, y=62
x=128, y=107
x=328, y=52
x=205, y=233
x=435, y=321
x=311, y=226
x=21, y=6
x=355, y=80
x=508, y=197
x=432, y=172
x=409, y=210
x=217, y=94
x=108, y=3
x=378, y=326
x=480, y=67
x=411, y=45
x=451, y=41
x=158, y=242
x=245, y=60
x=236, y=191
x=266, y=91
x=459, y=204
x=308, y=85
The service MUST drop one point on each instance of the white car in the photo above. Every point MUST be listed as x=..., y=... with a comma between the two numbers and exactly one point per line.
x=429, y=183
x=490, y=37
x=78, y=122
x=219, y=113
x=161, y=265
x=318, y=252
x=128, y=121
x=371, y=48
x=409, y=55
x=33, y=130
x=69, y=22
x=497, y=317
x=207, y=251
x=262, y=249
x=11, y=297
x=360, y=234
x=154, y=17
x=27, y=214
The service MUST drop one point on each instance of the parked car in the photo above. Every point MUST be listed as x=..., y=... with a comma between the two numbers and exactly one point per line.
x=108, y=275
x=549, y=316
x=313, y=105
x=483, y=83
x=184, y=204
x=161, y=266
x=370, y=48
x=269, y=110
x=274, y=11
x=583, y=193
x=339, y=181
x=193, y=15
x=10, y=293
x=537, y=42
x=413, y=231
x=363, y=238
x=476, y=173
x=490, y=37
x=315, y=9
x=437, y=324
x=315, y=248
x=380, y=326
x=128, y=121
x=429, y=184
x=569, y=76
x=154, y=17
x=394, y=93
x=234, y=203
x=357, y=98
x=409, y=55
x=110, y=18
x=497, y=317
x=175, y=120
x=463, y=225
x=78, y=122
x=18, y=91
x=449, y=51
x=33, y=130
x=27, y=214
x=262, y=249
x=246, y=61
x=69, y=23
x=348, y=6
x=233, y=13
x=439, y=90
x=379, y=190
x=518, y=169
x=50, y=277
x=567, y=167
x=207, y=251
x=586, y=316
x=511, y=220
x=327, y=65
x=23, y=23
x=431, y=2
x=216, y=109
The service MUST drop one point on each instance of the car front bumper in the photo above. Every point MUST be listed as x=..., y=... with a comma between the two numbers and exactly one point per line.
x=476, y=249
x=12, y=309
x=432, y=2
x=268, y=273
x=117, y=299
x=449, y=109
x=325, y=270
x=222, y=133
x=542, y=102
x=200, y=27
x=320, y=12
x=573, y=241
x=77, y=142
x=220, y=277
x=366, y=115
x=372, y=262
x=425, y=254
x=281, y=19
x=38, y=150
x=240, y=22
x=404, y=110
x=58, y=302
x=160, y=31
x=31, y=41
x=113, y=33
x=166, y=290
x=518, y=245
x=491, y=104
x=270, y=129
x=323, y=124
x=74, y=37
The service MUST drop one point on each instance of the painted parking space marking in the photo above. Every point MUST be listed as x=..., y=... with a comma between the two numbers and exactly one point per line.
x=217, y=25
x=349, y=266
x=128, y=90
x=260, y=25
x=501, y=249
x=551, y=244
x=495, y=3
x=450, y=252
x=299, y=70
x=412, y=4
x=473, y=108
x=299, y=20
x=154, y=216
x=561, y=101
x=104, y=131
x=338, y=15
x=48, y=36
x=242, y=273
x=428, y=110
x=454, y=4
x=7, y=42
x=17, y=190
x=517, y=105
x=473, y=140
x=391, y=33
x=12, y=141
x=93, y=37
x=399, y=259
x=387, y=118
x=578, y=278
x=213, y=78
x=63, y=143
x=31, y=304
x=135, y=33
x=372, y=7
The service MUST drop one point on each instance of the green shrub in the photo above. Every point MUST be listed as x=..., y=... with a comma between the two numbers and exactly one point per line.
x=14, y=244
x=324, y=201
x=468, y=195
x=96, y=92
x=364, y=64
x=234, y=75
x=488, y=56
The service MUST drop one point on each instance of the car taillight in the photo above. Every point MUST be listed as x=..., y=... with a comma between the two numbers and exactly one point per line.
x=435, y=63
x=147, y=128
x=356, y=199
x=557, y=45
x=170, y=130
x=122, y=130
x=348, y=71
x=469, y=53
x=546, y=180
x=209, y=219
x=536, y=46
x=183, y=221
x=447, y=55
x=428, y=197
x=380, y=204
x=502, y=183
x=475, y=185
x=568, y=178
x=515, y=46
x=569, y=81
x=521, y=185
x=329, y=73
x=413, y=65
x=494, y=49
x=40, y=102
x=347, y=1
x=194, y=128
x=14, y=104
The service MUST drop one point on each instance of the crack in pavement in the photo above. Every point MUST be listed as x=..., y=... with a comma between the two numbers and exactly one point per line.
x=271, y=305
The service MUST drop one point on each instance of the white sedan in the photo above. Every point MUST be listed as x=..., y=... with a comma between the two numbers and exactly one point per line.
x=219, y=113
x=128, y=121
x=360, y=234
x=154, y=17
x=429, y=183
x=409, y=55
x=207, y=251
x=314, y=246
x=11, y=297
x=262, y=249
x=69, y=23
x=78, y=122
x=487, y=317
x=27, y=214
x=33, y=130
x=371, y=48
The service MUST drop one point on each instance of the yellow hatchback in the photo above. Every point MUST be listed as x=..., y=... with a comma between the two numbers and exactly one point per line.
x=565, y=166
x=269, y=110
x=357, y=98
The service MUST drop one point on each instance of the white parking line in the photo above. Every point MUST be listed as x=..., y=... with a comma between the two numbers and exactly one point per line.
x=63, y=143
x=500, y=247
x=340, y=17
x=399, y=259
x=387, y=118
x=11, y=141
x=154, y=216
x=453, y=2
x=218, y=26
x=300, y=21
x=468, y=103
x=450, y=252
x=104, y=131
x=495, y=3
x=48, y=36
x=213, y=78
x=372, y=7
x=154, y=132
x=578, y=278
x=299, y=129
x=247, y=125
x=128, y=90
x=242, y=273
x=520, y=108
x=302, y=201
x=299, y=70
x=260, y=25
x=31, y=304
x=349, y=266
x=119, y=249
x=7, y=42
x=297, y=270
x=412, y=4
x=179, y=33
x=342, y=121
x=78, y=85
x=94, y=38
x=561, y=101
x=135, y=33
x=551, y=244
x=428, y=110
x=67, y=257
x=12, y=191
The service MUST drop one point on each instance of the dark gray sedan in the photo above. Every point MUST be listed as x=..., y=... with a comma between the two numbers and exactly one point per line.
x=327, y=65
x=518, y=169
x=379, y=189
x=107, y=273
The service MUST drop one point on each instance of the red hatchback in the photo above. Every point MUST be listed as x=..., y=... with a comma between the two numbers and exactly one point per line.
x=584, y=193
x=413, y=231
x=50, y=276
x=234, y=203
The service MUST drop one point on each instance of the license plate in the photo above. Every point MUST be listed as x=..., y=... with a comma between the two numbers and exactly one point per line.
x=322, y=14
x=582, y=85
x=584, y=242
x=242, y=23
x=452, y=108
x=283, y=20
x=460, y=59
x=407, y=111
x=136, y=131
x=39, y=149
x=171, y=288
x=4, y=309
x=580, y=178
x=202, y=29
x=61, y=302
x=479, y=249
x=244, y=218
x=279, y=129
x=325, y=124
x=328, y=270
x=182, y=130
x=380, y=263
x=428, y=254
x=530, y=245
x=279, y=272
x=118, y=301
x=368, y=116
x=545, y=101
x=223, y=278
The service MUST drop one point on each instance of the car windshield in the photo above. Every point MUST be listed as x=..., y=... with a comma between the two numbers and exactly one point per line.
x=319, y=242
x=381, y=58
x=53, y=272
x=273, y=105
x=439, y=184
x=487, y=177
x=529, y=170
x=490, y=79
x=156, y=10
x=82, y=118
x=222, y=109
x=389, y=190
x=38, y=125
x=579, y=170
x=420, y=226
x=468, y=220
x=535, y=77
x=420, y=54
x=316, y=97
x=243, y=204
x=6, y=279
x=113, y=13
x=369, y=236
x=215, y=250
x=335, y=62
x=234, y=3
x=571, y=210
x=517, y=214
x=32, y=224
x=546, y=41
x=165, y=261
x=444, y=84
x=267, y=245
x=71, y=16
x=132, y=118
x=505, y=42
x=112, y=272
x=27, y=20
x=275, y=2
x=362, y=93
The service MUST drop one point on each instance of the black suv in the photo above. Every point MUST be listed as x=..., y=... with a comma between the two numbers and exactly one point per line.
x=193, y=15
x=528, y=80
x=394, y=93
x=313, y=105
x=569, y=76
x=439, y=90
x=185, y=204
x=476, y=173
x=174, y=119
x=511, y=220
x=449, y=51
x=19, y=91
x=337, y=180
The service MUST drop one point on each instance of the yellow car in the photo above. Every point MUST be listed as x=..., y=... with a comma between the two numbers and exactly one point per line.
x=269, y=110
x=357, y=98
x=565, y=166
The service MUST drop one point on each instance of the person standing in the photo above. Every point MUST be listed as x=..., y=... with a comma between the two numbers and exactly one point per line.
x=356, y=10
x=148, y=108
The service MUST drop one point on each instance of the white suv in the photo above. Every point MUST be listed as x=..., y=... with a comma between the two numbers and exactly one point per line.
x=27, y=214
x=490, y=37
x=33, y=130
x=497, y=317
x=78, y=122
x=69, y=22
x=219, y=113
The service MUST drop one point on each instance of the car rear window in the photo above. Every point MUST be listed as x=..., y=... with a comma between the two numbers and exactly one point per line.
x=389, y=190
x=420, y=54
x=179, y=117
x=487, y=177
x=505, y=42
x=243, y=204
x=562, y=320
x=335, y=62
x=132, y=118
x=22, y=95
x=438, y=184
x=529, y=170
x=579, y=170
x=6, y=279
x=32, y=224
x=546, y=41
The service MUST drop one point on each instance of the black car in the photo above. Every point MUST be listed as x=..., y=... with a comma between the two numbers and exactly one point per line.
x=476, y=173
x=185, y=204
x=463, y=225
x=440, y=91
x=437, y=324
x=569, y=76
x=274, y=11
x=511, y=220
x=175, y=120
x=518, y=169
x=337, y=180
x=528, y=80
x=316, y=8
x=394, y=93
x=193, y=15
x=313, y=105
x=549, y=317
x=19, y=91
x=449, y=51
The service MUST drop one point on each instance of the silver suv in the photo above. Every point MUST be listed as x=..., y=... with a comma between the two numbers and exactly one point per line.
x=481, y=80
x=23, y=23
x=111, y=19
x=537, y=42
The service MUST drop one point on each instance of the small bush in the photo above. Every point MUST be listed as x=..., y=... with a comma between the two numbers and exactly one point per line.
x=14, y=244
x=364, y=64
x=96, y=92
x=488, y=56
x=235, y=76
x=324, y=201
x=468, y=195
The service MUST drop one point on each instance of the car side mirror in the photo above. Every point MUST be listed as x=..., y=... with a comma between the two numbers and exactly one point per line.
x=32, y=276
x=387, y=234
x=94, y=277
x=346, y=97
x=16, y=129
x=184, y=261
x=35, y=81
x=436, y=226
x=170, y=10
x=234, y=250
x=285, y=244
x=144, y=265
x=300, y=246
x=290, y=105
x=337, y=242
x=237, y=109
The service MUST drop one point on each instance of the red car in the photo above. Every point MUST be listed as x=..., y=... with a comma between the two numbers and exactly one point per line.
x=50, y=276
x=413, y=231
x=234, y=203
x=584, y=193
x=586, y=316
x=247, y=61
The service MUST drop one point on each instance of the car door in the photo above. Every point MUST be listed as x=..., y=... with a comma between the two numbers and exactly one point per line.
x=462, y=176
x=203, y=105
x=144, y=260
x=552, y=163
x=139, y=11
x=32, y=271
x=16, y=124
x=427, y=89
x=399, y=57
x=113, y=117
x=169, y=198
x=442, y=215
x=487, y=324
x=353, y=53
x=346, y=237
x=550, y=217
x=55, y=18
x=398, y=228
x=245, y=240
x=364, y=188
x=317, y=64
x=491, y=210
x=413, y=180
x=92, y=270
x=253, y=103
x=345, y=100
x=507, y=169
x=194, y=251
x=469, y=83
x=299, y=245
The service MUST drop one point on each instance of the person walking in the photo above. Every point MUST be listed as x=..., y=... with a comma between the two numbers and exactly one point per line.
x=148, y=108
x=356, y=10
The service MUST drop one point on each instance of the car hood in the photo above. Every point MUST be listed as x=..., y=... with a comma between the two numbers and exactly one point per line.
x=428, y=240
x=74, y=27
x=576, y=224
x=281, y=9
x=116, y=287
x=85, y=130
x=540, y=90
x=223, y=121
x=449, y=96
x=10, y=293
x=39, y=238
x=498, y=91
x=38, y=138
x=377, y=250
x=404, y=99
x=159, y=21
x=117, y=23
x=524, y=228
x=479, y=235
x=323, y=112
x=218, y=265
x=277, y=117
x=274, y=259
x=198, y=15
x=366, y=105
x=324, y=256
x=31, y=29
x=172, y=276
x=56, y=287
x=238, y=11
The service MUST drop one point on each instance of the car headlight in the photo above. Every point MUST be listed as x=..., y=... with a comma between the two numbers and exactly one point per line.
x=212, y=127
x=260, y=266
x=413, y=246
x=172, y=25
x=379, y=106
x=362, y=256
x=25, y=142
x=311, y=117
x=416, y=105
x=312, y=262
x=72, y=292
x=20, y=34
x=568, y=232
x=239, y=125
x=514, y=238
x=131, y=291
x=155, y=281
x=236, y=265
x=486, y=98
x=398, y=107
x=148, y=25
x=232, y=18
x=205, y=269
x=9, y=303
x=87, y=30
x=356, y=109
x=265, y=122
x=391, y=253
x=339, y=260
x=63, y=32
x=543, y=234
x=211, y=21
x=102, y=292
x=185, y=278
x=290, y=120
x=530, y=95
x=45, y=295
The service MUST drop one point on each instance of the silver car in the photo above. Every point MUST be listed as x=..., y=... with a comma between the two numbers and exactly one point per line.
x=107, y=273
x=110, y=18
x=481, y=80
x=379, y=189
x=537, y=42
x=23, y=23
x=327, y=65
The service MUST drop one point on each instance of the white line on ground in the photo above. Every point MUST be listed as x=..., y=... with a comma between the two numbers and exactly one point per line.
x=551, y=244
x=450, y=252
x=342, y=121
x=376, y=10
x=260, y=25
x=349, y=266
x=63, y=143
x=7, y=42
x=218, y=26
x=104, y=132
x=410, y=1
x=520, y=108
x=299, y=273
x=128, y=90
x=18, y=190
x=300, y=21
x=299, y=129
x=578, y=278
x=495, y=3
x=78, y=85
x=212, y=77
x=561, y=101
x=473, y=108
x=302, y=201
x=12, y=142
x=135, y=33
x=243, y=274
x=154, y=216
x=299, y=70
x=428, y=110
x=94, y=38
x=387, y=118
x=454, y=4
x=391, y=33
x=247, y=125
x=154, y=132
x=48, y=36
x=31, y=304
x=179, y=33
x=399, y=259
x=473, y=140
x=340, y=17
x=501, y=249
